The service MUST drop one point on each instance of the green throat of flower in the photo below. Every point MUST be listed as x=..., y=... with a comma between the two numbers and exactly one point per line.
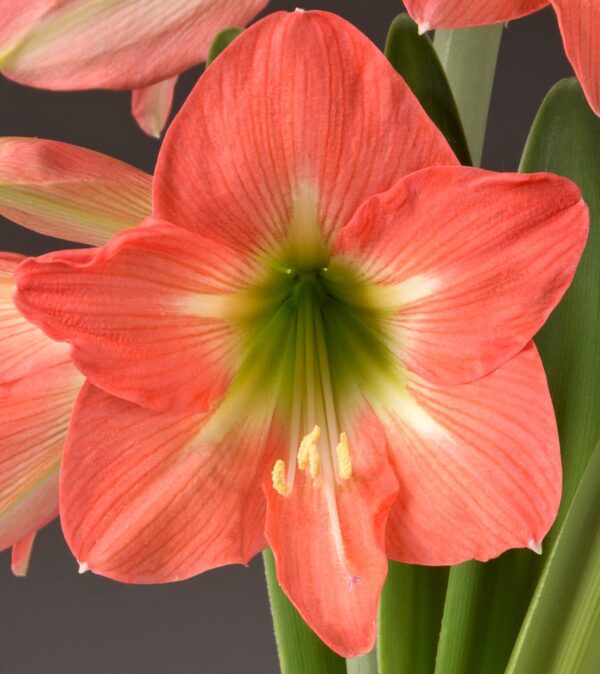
x=313, y=345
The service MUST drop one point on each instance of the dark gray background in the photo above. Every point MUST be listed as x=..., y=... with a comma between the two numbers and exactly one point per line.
x=57, y=622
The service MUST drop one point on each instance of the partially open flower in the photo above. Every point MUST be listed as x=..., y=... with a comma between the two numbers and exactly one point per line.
x=321, y=340
x=579, y=22
x=131, y=44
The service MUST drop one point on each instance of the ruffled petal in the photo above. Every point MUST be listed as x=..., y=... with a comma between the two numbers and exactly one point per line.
x=147, y=315
x=468, y=264
x=152, y=497
x=68, y=192
x=580, y=27
x=85, y=44
x=329, y=542
x=310, y=121
x=152, y=105
x=478, y=464
x=21, y=554
x=463, y=13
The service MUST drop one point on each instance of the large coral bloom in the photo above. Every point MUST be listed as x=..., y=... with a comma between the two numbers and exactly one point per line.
x=128, y=44
x=78, y=195
x=579, y=22
x=321, y=341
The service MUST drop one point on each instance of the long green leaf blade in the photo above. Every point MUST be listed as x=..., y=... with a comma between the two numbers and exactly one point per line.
x=561, y=634
x=565, y=139
x=414, y=57
x=410, y=615
x=300, y=650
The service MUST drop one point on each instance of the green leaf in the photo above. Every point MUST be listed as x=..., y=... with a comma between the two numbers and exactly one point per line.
x=485, y=606
x=561, y=634
x=366, y=664
x=565, y=139
x=469, y=57
x=221, y=42
x=410, y=614
x=414, y=57
x=300, y=650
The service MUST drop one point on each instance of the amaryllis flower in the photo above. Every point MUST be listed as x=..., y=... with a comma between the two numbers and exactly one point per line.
x=579, y=22
x=78, y=195
x=321, y=340
x=128, y=44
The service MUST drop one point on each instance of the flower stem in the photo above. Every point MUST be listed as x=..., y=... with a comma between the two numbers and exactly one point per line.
x=367, y=664
x=469, y=57
x=300, y=650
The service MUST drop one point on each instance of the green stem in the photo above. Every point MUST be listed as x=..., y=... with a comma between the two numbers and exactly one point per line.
x=367, y=664
x=469, y=57
x=300, y=650
x=410, y=615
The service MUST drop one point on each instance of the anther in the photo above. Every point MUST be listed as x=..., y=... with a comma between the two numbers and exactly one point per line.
x=314, y=461
x=344, y=457
x=308, y=447
x=278, y=475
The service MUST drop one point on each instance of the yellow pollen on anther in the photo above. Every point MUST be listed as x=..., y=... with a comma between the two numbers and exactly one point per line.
x=308, y=448
x=314, y=461
x=278, y=475
x=344, y=457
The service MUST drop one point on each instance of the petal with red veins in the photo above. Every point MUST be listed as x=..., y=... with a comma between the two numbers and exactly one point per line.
x=478, y=464
x=147, y=314
x=311, y=121
x=151, y=106
x=69, y=192
x=463, y=13
x=468, y=263
x=580, y=27
x=21, y=554
x=85, y=44
x=34, y=416
x=329, y=542
x=25, y=348
x=151, y=497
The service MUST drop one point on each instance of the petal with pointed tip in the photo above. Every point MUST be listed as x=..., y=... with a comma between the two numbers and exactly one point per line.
x=243, y=170
x=464, y=13
x=580, y=27
x=69, y=192
x=21, y=554
x=478, y=464
x=85, y=44
x=329, y=543
x=151, y=497
x=145, y=314
x=151, y=106
x=470, y=262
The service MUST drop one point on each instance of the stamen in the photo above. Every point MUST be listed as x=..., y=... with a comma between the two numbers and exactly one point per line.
x=344, y=457
x=308, y=448
x=278, y=475
x=315, y=462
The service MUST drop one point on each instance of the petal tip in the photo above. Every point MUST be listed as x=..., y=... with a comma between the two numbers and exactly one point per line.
x=423, y=27
x=535, y=546
x=83, y=568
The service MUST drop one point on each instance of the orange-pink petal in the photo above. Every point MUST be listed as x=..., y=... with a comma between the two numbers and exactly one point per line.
x=21, y=554
x=151, y=106
x=151, y=497
x=146, y=314
x=329, y=542
x=38, y=385
x=580, y=27
x=463, y=13
x=301, y=119
x=69, y=192
x=469, y=263
x=478, y=464
x=85, y=44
